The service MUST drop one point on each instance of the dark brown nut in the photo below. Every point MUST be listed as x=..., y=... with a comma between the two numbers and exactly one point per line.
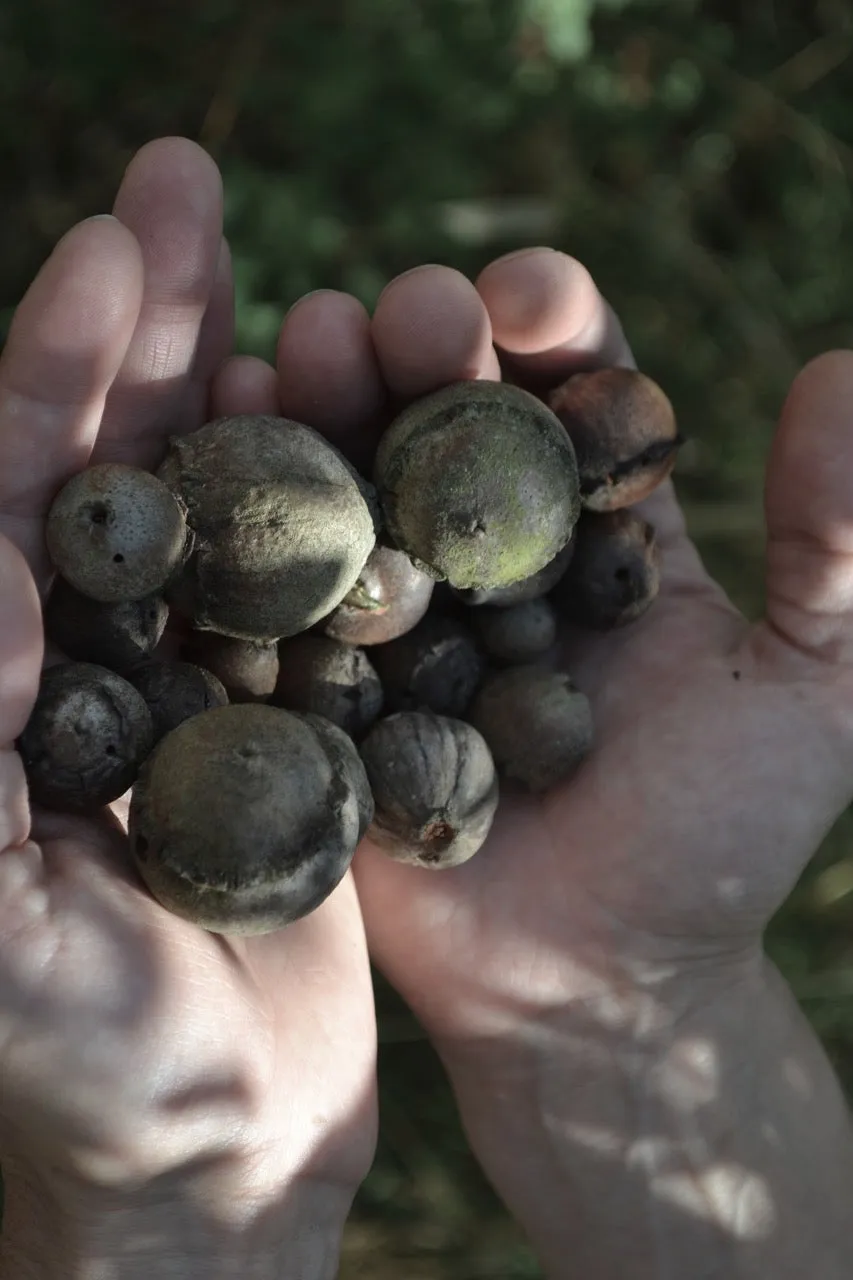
x=436, y=667
x=478, y=484
x=248, y=669
x=517, y=635
x=615, y=574
x=282, y=527
x=111, y=635
x=624, y=432
x=532, y=588
x=537, y=724
x=174, y=691
x=86, y=738
x=242, y=821
x=389, y=598
x=329, y=679
x=435, y=788
x=343, y=752
x=116, y=533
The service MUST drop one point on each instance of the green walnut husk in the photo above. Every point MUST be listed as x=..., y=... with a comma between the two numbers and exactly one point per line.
x=478, y=484
x=245, y=818
x=282, y=526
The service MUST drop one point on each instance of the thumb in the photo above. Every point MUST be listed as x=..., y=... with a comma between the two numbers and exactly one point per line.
x=809, y=512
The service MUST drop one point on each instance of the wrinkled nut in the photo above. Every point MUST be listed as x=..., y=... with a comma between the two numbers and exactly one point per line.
x=281, y=524
x=248, y=669
x=478, y=484
x=116, y=533
x=434, y=786
x=86, y=738
x=615, y=574
x=623, y=428
x=389, y=598
x=174, y=691
x=242, y=820
x=537, y=724
x=518, y=634
x=329, y=679
x=532, y=588
x=437, y=666
x=111, y=635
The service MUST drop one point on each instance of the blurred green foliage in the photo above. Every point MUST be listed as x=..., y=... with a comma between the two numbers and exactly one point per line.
x=695, y=154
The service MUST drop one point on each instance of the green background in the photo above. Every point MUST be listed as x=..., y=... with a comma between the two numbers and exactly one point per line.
x=696, y=156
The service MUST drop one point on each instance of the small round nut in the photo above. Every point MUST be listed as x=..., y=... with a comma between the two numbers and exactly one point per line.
x=116, y=533
x=111, y=635
x=247, y=668
x=243, y=821
x=519, y=634
x=174, y=691
x=437, y=666
x=330, y=679
x=389, y=598
x=615, y=574
x=537, y=724
x=623, y=428
x=435, y=788
x=86, y=738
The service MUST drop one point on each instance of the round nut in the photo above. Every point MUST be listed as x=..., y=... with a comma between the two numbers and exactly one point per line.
x=243, y=821
x=86, y=738
x=478, y=484
x=116, y=533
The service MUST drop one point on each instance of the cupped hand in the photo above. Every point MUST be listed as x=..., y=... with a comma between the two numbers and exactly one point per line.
x=133, y=1045
x=724, y=750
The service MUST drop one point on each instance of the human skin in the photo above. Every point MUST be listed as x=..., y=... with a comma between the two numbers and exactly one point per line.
x=632, y=1072
x=172, y=1102
x=633, y=1075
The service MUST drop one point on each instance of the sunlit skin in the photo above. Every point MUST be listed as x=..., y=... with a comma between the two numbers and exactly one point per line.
x=132, y=1043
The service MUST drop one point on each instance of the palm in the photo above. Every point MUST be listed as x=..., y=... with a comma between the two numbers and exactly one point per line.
x=154, y=1042
x=678, y=838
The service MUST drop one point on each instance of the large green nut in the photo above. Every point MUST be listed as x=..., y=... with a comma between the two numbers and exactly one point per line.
x=478, y=484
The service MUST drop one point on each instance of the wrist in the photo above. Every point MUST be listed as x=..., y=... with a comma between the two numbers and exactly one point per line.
x=701, y=1119
x=217, y=1224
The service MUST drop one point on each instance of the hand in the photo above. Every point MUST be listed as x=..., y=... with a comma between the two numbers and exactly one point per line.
x=593, y=978
x=149, y=1068
x=724, y=751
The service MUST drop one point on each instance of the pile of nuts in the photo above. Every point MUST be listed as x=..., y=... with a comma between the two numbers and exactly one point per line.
x=348, y=658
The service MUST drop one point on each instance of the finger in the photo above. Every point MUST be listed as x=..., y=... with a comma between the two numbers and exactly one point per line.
x=216, y=337
x=547, y=313
x=327, y=368
x=548, y=316
x=21, y=648
x=809, y=511
x=66, y=344
x=171, y=198
x=430, y=328
x=244, y=384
